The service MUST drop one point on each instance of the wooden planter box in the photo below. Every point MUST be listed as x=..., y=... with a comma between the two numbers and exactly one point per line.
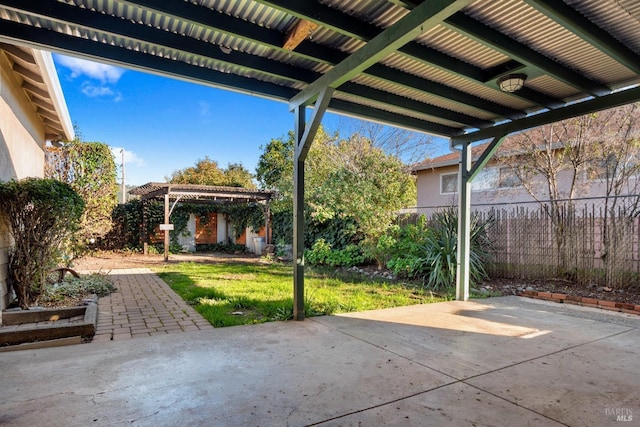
x=38, y=325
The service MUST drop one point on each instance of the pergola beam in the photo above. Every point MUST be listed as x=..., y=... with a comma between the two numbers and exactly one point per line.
x=420, y=19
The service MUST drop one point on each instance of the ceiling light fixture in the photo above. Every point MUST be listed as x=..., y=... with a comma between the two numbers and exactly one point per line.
x=225, y=49
x=511, y=82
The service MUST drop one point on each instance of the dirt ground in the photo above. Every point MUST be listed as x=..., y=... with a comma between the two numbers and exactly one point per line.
x=106, y=261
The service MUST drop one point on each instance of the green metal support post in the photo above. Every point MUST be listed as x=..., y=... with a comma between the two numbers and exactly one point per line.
x=467, y=175
x=298, y=219
x=464, y=224
x=304, y=137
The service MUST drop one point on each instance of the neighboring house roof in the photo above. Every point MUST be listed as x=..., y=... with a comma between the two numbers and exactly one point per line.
x=508, y=148
x=37, y=75
x=449, y=159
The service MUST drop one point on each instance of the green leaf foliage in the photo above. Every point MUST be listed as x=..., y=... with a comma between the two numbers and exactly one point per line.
x=129, y=227
x=207, y=172
x=322, y=254
x=352, y=189
x=88, y=167
x=43, y=217
x=428, y=250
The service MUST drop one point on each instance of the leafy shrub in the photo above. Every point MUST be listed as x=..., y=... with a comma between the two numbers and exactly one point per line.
x=158, y=248
x=42, y=216
x=429, y=252
x=74, y=287
x=405, y=246
x=442, y=246
x=318, y=253
x=322, y=254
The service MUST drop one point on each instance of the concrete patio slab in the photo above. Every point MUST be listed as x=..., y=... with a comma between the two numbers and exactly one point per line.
x=502, y=361
x=465, y=339
x=596, y=384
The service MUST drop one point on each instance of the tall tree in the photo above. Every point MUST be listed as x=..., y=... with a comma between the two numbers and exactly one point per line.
x=89, y=168
x=347, y=179
x=408, y=146
x=207, y=172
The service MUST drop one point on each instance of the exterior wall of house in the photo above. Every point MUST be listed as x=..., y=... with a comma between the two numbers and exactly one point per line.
x=22, y=137
x=491, y=188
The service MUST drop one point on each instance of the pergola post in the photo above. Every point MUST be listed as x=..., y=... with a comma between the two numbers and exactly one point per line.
x=166, y=230
x=304, y=137
x=145, y=234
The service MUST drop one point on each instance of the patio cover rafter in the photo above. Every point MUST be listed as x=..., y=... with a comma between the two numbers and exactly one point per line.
x=420, y=19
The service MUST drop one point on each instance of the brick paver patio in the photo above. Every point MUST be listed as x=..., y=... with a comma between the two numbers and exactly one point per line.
x=142, y=306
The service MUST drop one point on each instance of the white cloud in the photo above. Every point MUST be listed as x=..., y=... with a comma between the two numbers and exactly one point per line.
x=130, y=158
x=93, y=91
x=104, y=73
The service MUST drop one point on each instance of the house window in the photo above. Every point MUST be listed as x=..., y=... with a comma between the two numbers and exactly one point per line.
x=508, y=178
x=449, y=183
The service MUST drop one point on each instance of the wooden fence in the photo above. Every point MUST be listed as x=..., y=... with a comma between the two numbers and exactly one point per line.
x=586, y=242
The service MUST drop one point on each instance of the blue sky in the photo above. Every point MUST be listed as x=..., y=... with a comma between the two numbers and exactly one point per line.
x=166, y=124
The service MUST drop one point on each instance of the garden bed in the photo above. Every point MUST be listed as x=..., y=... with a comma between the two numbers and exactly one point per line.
x=43, y=325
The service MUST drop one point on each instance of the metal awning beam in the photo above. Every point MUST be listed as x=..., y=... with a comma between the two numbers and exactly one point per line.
x=97, y=21
x=304, y=144
x=43, y=38
x=612, y=100
x=573, y=21
x=523, y=53
x=420, y=19
x=85, y=18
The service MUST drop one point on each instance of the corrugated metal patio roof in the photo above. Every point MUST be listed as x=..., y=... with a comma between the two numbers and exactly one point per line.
x=430, y=66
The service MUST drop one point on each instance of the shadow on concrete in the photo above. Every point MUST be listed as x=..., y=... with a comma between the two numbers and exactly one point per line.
x=411, y=366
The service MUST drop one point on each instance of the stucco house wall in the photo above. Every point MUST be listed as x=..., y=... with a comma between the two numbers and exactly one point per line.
x=493, y=185
x=23, y=128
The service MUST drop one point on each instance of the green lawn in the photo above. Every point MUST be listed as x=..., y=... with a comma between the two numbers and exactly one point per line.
x=231, y=293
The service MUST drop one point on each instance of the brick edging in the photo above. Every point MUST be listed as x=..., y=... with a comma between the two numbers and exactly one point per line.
x=621, y=307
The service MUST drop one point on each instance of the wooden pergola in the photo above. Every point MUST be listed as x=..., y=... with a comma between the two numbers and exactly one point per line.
x=467, y=70
x=171, y=194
